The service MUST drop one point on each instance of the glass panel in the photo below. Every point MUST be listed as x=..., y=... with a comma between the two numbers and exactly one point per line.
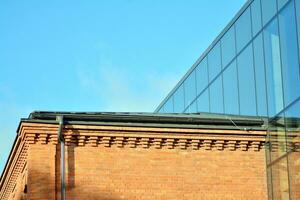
x=201, y=76
x=192, y=108
x=214, y=61
x=256, y=16
x=179, y=100
x=216, y=96
x=293, y=146
x=276, y=130
x=260, y=80
x=280, y=180
x=297, y=3
x=281, y=3
x=168, y=107
x=289, y=54
x=269, y=182
x=268, y=10
x=161, y=110
x=231, y=90
x=190, y=88
x=273, y=68
x=246, y=82
x=228, y=46
x=278, y=161
x=203, y=102
x=243, y=30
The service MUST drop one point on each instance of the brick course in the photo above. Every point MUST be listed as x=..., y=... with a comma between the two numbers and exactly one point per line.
x=112, y=162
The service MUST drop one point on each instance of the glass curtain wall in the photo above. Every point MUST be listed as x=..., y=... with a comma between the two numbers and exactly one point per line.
x=252, y=69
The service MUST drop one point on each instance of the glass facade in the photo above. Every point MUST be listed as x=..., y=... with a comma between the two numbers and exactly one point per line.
x=252, y=69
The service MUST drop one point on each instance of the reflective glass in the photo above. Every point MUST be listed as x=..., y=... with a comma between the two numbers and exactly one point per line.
x=268, y=10
x=179, y=100
x=293, y=146
x=192, y=108
x=231, y=90
x=280, y=180
x=214, y=61
x=260, y=80
x=201, y=76
x=228, y=46
x=256, y=16
x=278, y=162
x=289, y=54
x=203, y=102
x=273, y=68
x=216, y=96
x=161, y=110
x=281, y=3
x=168, y=107
x=246, y=82
x=297, y=4
x=243, y=30
x=190, y=88
x=276, y=131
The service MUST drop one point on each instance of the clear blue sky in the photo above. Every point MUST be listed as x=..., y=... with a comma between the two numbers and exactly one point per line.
x=98, y=55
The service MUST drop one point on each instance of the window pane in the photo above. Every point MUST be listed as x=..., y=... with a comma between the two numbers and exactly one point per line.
x=228, y=46
x=214, y=61
x=216, y=96
x=203, y=102
x=289, y=54
x=190, y=88
x=273, y=68
x=260, y=76
x=201, y=76
x=256, y=16
x=293, y=138
x=246, y=82
x=179, y=100
x=161, y=110
x=231, y=90
x=277, y=139
x=192, y=108
x=268, y=10
x=281, y=3
x=168, y=107
x=297, y=3
x=243, y=30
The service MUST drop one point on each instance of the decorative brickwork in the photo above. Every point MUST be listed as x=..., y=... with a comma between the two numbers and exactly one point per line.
x=117, y=162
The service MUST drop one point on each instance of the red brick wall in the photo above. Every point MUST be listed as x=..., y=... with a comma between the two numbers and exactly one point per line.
x=41, y=181
x=137, y=173
x=122, y=163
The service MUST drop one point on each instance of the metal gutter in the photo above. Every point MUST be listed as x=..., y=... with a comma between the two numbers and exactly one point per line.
x=149, y=118
x=200, y=120
x=61, y=140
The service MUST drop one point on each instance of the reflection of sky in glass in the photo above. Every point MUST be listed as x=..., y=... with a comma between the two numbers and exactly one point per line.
x=273, y=68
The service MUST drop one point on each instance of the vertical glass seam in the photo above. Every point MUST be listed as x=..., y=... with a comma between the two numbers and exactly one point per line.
x=297, y=32
x=269, y=174
x=208, y=83
x=237, y=72
x=253, y=58
x=222, y=77
x=282, y=86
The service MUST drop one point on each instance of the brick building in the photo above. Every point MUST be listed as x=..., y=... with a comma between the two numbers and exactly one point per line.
x=137, y=156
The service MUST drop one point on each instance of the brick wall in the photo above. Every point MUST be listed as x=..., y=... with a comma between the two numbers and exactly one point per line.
x=136, y=173
x=41, y=181
x=136, y=163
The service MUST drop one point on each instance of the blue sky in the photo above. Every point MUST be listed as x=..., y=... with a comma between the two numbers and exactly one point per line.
x=98, y=55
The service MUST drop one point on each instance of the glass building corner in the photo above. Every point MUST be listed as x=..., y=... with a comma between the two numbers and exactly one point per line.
x=252, y=68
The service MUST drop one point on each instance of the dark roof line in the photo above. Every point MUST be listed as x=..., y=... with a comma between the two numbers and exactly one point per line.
x=178, y=119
